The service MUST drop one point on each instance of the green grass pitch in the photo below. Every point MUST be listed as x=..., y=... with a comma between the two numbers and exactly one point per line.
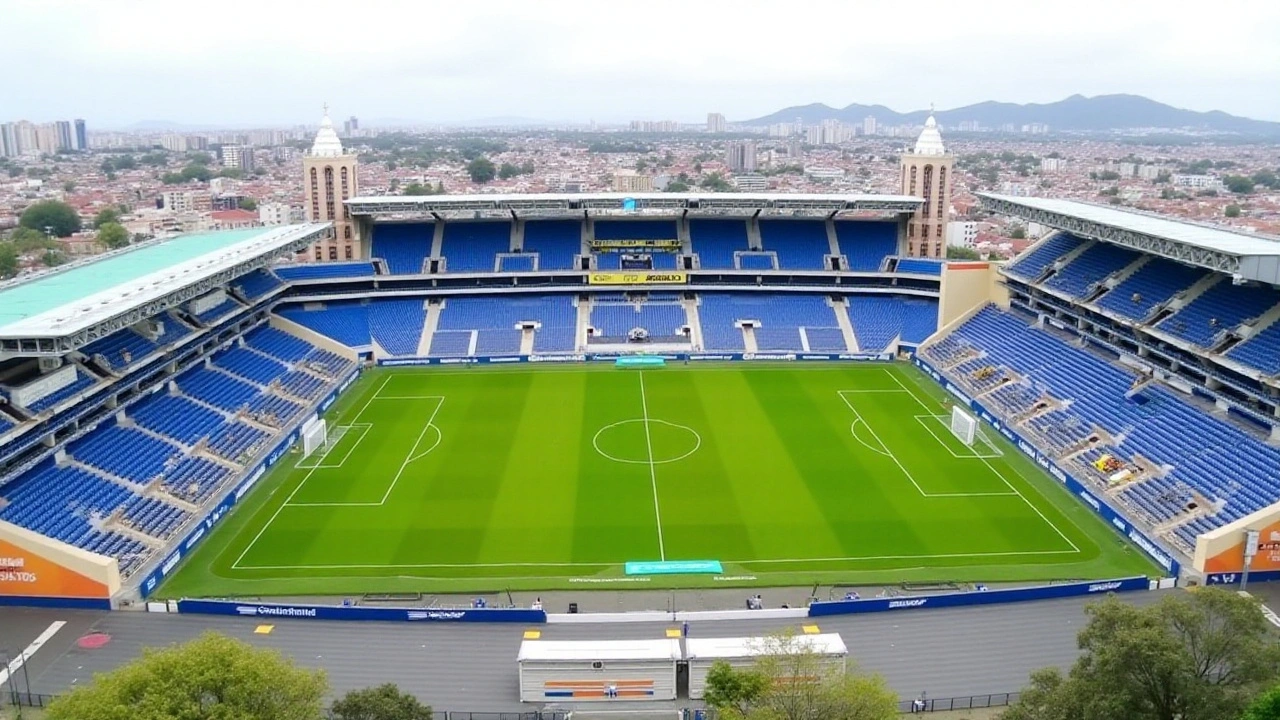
x=470, y=479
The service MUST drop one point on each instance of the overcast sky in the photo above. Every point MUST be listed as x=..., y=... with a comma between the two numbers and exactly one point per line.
x=275, y=62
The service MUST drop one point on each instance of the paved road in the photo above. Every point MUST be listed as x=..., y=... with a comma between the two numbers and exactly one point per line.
x=947, y=652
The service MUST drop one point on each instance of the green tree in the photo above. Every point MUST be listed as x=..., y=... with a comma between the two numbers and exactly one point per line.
x=715, y=182
x=248, y=203
x=384, y=702
x=155, y=159
x=233, y=173
x=106, y=215
x=25, y=240
x=1231, y=211
x=439, y=187
x=1264, y=707
x=59, y=216
x=125, y=162
x=790, y=682
x=1238, y=184
x=481, y=170
x=69, y=186
x=1108, y=175
x=955, y=252
x=1193, y=656
x=416, y=188
x=113, y=236
x=199, y=158
x=8, y=261
x=196, y=172
x=508, y=171
x=1018, y=233
x=1266, y=179
x=677, y=186
x=53, y=258
x=209, y=678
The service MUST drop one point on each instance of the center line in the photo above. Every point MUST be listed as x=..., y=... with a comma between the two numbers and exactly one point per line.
x=653, y=477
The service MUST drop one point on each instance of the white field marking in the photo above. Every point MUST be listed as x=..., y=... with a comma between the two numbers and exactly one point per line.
x=992, y=468
x=890, y=454
x=702, y=366
x=44, y=637
x=408, y=397
x=306, y=477
x=853, y=558
x=364, y=429
x=596, y=444
x=853, y=429
x=653, y=473
x=928, y=420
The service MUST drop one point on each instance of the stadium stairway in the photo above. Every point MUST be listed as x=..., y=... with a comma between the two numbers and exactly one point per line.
x=584, y=321
x=749, y=342
x=841, y=308
x=429, y=328
x=695, y=322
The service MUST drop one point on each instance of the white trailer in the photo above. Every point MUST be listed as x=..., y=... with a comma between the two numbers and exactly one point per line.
x=605, y=670
x=742, y=652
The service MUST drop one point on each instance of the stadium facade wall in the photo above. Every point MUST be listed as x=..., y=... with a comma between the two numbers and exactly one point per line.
x=37, y=570
x=337, y=612
x=1116, y=520
x=989, y=597
x=1220, y=553
x=220, y=509
x=965, y=286
x=601, y=357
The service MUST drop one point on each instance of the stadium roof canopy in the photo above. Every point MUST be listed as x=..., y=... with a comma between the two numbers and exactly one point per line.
x=60, y=310
x=406, y=207
x=1246, y=256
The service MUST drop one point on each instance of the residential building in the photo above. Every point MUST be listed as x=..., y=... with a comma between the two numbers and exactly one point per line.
x=630, y=181
x=274, y=213
x=1052, y=165
x=741, y=156
x=751, y=183
x=962, y=233
x=238, y=156
x=66, y=140
x=869, y=125
x=80, y=135
x=927, y=173
x=233, y=219
x=9, y=140
x=181, y=201
x=1197, y=182
x=330, y=177
x=715, y=123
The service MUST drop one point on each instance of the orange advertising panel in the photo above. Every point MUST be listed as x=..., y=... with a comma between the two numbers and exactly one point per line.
x=24, y=572
x=1267, y=557
x=968, y=265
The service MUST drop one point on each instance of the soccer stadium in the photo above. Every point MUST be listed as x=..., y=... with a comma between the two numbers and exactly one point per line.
x=681, y=392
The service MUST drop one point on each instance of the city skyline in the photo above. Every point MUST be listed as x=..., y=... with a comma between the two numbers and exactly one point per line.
x=570, y=62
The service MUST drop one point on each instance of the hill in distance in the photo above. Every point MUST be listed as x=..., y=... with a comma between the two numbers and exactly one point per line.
x=1076, y=113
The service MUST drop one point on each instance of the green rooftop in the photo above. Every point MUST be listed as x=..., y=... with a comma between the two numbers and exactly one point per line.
x=58, y=289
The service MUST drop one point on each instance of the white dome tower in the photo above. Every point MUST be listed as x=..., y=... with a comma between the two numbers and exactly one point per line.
x=927, y=174
x=329, y=178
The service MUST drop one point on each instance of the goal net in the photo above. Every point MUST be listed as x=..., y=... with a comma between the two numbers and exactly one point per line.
x=963, y=425
x=314, y=436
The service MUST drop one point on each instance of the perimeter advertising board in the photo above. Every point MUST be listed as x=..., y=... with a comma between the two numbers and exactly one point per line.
x=35, y=570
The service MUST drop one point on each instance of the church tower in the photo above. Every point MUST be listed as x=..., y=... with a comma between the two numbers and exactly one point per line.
x=927, y=173
x=330, y=177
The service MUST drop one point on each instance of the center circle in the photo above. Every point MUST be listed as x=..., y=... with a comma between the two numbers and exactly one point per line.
x=629, y=441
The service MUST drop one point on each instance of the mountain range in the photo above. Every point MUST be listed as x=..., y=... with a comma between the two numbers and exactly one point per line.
x=1077, y=113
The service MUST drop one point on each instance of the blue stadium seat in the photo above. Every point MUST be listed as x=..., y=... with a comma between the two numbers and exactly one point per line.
x=878, y=319
x=757, y=261
x=1261, y=351
x=176, y=417
x=516, y=263
x=920, y=266
x=217, y=389
x=555, y=241
x=126, y=452
x=278, y=344
x=1219, y=309
x=715, y=241
x=326, y=270
x=257, y=284
x=82, y=383
x=636, y=230
x=865, y=243
x=661, y=318
x=397, y=324
x=1152, y=284
x=404, y=246
x=1033, y=264
x=474, y=246
x=250, y=365
x=1090, y=267
x=799, y=244
x=346, y=322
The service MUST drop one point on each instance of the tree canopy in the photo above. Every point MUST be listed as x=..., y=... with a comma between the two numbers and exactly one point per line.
x=210, y=678
x=1231, y=211
x=8, y=261
x=791, y=682
x=1238, y=184
x=113, y=236
x=956, y=252
x=481, y=170
x=106, y=215
x=59, y=216
x=1265, y=707
x=1193, y=656
x=248, y=203
x=25, y=240
x=384, y=702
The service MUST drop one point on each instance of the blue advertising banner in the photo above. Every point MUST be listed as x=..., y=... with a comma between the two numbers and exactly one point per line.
x=613, y=357
x=1075, y=487
x=978, y=597
x=337, y=612
x=197, y=533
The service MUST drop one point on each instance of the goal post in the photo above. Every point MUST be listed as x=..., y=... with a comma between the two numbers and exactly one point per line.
x=314, y=436
x=963, y=425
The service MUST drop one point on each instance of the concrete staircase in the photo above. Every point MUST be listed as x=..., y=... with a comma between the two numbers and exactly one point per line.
x=429, y=328
x=841, y=309
x=749, y=340
x=584, y=322
x=695, y=322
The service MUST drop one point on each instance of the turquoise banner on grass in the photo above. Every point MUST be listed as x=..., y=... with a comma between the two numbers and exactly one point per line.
x=675, y=567
x=640, y=361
